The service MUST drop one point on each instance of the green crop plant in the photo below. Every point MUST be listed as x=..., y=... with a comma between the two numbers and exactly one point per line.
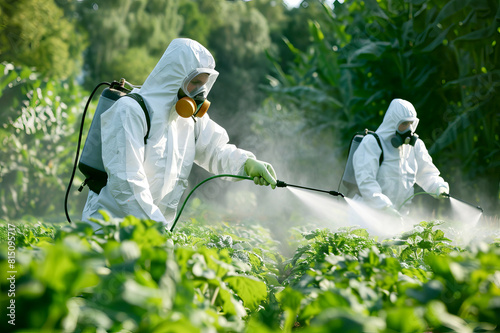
x=136, y=276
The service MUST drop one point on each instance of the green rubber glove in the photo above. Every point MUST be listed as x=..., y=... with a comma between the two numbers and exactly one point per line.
x=261, y=172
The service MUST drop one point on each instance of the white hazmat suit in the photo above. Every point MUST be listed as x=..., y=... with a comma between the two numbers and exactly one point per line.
x=388, y=186
x=148, y=180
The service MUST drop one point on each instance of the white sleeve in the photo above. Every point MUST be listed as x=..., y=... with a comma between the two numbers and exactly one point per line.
x=427, y=173
x=213, y=151
x=366, y=164
x=124, y=127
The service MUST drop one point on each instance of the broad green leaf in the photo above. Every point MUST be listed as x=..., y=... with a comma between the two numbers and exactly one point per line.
x=405, y=319
x=439, y=316
x=181, y=325
x=406, y=253
x=343, y=320
x=229, y=304
x=325, y=300
x=416, y=273
x=290, y=299
x=142, y=296
x=429, y=291
x=251, y=291
x=425, y=244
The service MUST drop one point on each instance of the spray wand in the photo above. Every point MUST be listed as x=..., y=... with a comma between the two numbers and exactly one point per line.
x=444, y=195
x=465, y=202
x=279, y=183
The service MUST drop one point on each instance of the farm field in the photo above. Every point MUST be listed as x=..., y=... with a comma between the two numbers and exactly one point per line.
x=135, y=277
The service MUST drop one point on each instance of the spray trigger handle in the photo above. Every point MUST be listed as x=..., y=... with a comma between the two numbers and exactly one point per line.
x=280, y=183
x=336, y=194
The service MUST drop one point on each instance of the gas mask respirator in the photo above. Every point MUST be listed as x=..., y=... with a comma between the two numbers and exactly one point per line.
x=192, y=107
x=193, y=93
x=406, y=137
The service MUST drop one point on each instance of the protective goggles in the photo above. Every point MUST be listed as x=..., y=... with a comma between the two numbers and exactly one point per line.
x=203, y=88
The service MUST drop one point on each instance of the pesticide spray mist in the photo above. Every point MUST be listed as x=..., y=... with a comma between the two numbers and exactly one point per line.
x=323, y=206
x=464, y=214
x=463, y=224
x=288, y=207
x=336, y=212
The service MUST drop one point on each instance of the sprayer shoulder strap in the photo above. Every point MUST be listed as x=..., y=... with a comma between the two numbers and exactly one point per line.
x=139, y=100
x=381, y=159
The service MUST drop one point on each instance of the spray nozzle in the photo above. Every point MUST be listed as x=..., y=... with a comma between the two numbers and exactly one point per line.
x=280, y=183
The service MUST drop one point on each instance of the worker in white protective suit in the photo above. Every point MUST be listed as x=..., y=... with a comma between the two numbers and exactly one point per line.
x=406, y=161
x=148, y=180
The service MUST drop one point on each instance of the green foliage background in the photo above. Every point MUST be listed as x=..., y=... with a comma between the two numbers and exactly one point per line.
x=38, y=141
x=294, y=85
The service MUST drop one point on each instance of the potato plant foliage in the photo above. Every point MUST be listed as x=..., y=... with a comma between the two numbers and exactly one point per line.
x=133, y=276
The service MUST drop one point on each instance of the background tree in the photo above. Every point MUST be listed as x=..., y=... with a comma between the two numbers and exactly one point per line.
x=199, y=19
x=239, y=50
x=40, y=50
x=36, y=33
x=37, y=142
x=126, y=38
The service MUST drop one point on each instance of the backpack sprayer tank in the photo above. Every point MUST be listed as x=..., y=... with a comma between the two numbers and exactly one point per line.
x=348, y=181
x=91, y=164
x=348, y=178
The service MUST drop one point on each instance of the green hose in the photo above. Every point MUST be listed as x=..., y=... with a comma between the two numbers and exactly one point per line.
x=201, y=183
x=418, y=193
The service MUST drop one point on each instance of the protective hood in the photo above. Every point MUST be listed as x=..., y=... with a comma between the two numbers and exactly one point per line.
x=399, y=111
x=182, y=61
